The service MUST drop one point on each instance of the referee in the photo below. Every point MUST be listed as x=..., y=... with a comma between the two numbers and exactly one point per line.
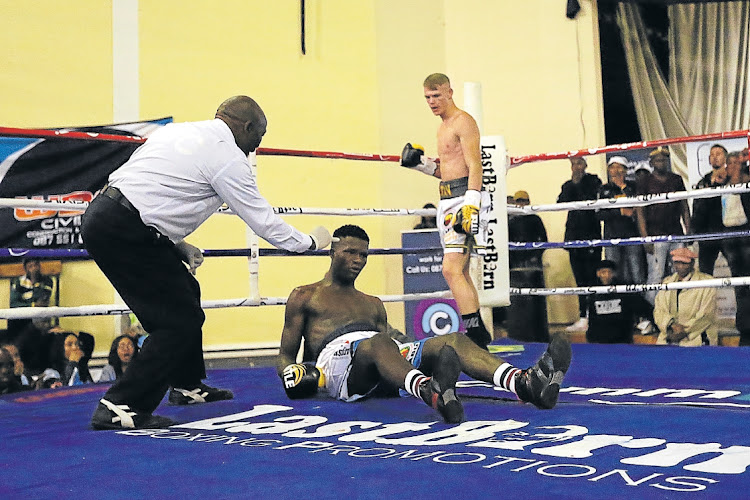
x=135, y=229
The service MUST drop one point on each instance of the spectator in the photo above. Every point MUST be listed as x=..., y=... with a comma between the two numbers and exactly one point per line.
x=642, y=171
x=527, y=314
x=71, y=355
x=717, y=157
x=9, y=382
x=707, y=211
x=735, y=216
x=18, y=367
x=427, y=221
x=582, y=225
x=620, y=223
x=686, y=317
x=35, y=344
x=613, y=315
x=49, y=379
x=661, y=218
x=33, y=289
x=123, y=350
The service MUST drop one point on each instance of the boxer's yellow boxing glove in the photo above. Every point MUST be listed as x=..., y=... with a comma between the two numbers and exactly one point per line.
x=467, y=217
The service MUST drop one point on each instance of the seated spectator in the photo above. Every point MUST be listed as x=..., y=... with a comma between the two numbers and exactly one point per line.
x=49, y=379
x=19, y=368
x=33, y=289
x=427, y=222
x=35, y=344
x=613, y=315
x=123, y=350
x=70, y=357
x=9, y=382
x=691, y=320
x=526, y=317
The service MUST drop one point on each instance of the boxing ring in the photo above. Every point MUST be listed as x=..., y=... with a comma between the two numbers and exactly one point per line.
x=641, y=421
x=632, y=421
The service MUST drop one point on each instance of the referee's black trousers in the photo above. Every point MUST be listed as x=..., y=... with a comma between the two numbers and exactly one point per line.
x=148, y=273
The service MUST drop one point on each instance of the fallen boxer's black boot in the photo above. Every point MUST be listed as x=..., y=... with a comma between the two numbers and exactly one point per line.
x=540, y=384
x=440, y=391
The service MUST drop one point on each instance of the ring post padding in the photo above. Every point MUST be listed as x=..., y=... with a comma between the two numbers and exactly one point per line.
x=252, y=240
x=494, y=283
x=473, y=102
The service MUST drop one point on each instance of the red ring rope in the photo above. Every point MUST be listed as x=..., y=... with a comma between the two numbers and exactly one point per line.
x=514, y=161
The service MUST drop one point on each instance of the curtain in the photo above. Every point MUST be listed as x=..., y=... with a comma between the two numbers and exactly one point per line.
x=708, y=81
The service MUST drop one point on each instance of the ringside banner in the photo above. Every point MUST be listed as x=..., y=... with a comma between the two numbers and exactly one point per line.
x=58, y=169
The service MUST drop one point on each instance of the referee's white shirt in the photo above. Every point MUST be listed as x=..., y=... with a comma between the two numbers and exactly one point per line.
x=184, y=172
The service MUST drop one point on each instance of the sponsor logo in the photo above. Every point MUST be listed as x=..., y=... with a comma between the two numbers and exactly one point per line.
x=504, y=446
x=24, y=214
x=292, y=375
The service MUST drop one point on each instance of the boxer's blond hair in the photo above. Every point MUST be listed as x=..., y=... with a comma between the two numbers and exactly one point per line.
x=435, y=80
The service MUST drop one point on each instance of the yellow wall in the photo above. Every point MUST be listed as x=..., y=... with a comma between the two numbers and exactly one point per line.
x=358, y=89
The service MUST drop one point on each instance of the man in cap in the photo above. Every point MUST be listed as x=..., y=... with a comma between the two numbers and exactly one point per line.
x=621, y=223
x=612, y=315
x=527, y=314
x=686, y=317
x=660, y=219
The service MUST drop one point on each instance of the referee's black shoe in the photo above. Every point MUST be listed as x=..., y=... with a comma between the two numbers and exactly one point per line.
x=201, y=393
x=111, y=416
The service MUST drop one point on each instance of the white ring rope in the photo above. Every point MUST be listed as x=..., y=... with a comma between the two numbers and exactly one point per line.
x=597, y=290
x=119, y=309
x=105, y=310
x=621, y=202
x=633, y=201
x=80, y=206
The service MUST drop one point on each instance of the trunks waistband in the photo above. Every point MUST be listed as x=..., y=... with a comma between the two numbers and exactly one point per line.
x=338, y=332
x=454, y=188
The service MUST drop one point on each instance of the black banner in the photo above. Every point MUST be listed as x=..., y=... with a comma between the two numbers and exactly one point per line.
x=59, y=169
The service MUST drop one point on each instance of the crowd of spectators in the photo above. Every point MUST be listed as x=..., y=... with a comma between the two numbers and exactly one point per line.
x=614, y=317
x=42, y=355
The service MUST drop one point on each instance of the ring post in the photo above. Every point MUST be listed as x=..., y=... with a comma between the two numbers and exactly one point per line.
x=493, y=283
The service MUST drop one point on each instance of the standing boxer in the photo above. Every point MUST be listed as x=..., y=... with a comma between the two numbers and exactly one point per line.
x=463, y=208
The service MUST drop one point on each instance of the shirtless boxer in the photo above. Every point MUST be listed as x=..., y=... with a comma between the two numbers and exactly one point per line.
x=464, y=207
x=347, y=350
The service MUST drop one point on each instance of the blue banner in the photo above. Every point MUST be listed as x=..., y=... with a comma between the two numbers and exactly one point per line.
x=424, y=273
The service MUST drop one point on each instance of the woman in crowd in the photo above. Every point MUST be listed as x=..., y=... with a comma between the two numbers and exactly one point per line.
x=71, y=357
x=122, y=352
